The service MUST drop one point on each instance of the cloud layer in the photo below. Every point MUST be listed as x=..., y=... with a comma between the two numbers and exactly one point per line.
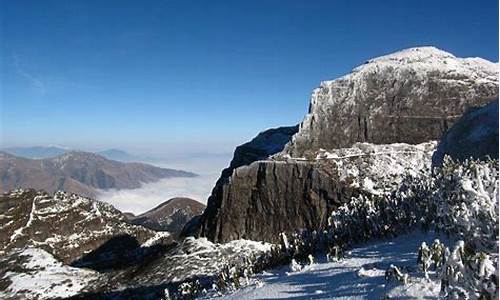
x=152, y=194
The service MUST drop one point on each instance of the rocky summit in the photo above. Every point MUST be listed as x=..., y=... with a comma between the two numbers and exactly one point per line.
x=411, y=96
x=382, y=118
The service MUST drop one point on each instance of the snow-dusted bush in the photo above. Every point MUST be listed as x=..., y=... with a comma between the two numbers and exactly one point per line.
x=393, y=273
x=459, y=199
x=466, y=202
x=295, y=266
x=467, y=274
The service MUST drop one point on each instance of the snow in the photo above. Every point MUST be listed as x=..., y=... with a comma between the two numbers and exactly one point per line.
x=43, y=277
x=155, y=239
x=360, y=275
x=18, y=232
x=376, y=168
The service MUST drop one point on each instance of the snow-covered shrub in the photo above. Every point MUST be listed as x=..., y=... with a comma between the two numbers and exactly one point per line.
x=464, y=204
x=459, y=199
x=433, y=256
x=394, y=273
x=466, y=201
x=295, y=266
x=469, y=274
x=334, y=254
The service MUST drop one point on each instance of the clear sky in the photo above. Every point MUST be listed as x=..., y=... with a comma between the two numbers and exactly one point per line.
x=206, y=75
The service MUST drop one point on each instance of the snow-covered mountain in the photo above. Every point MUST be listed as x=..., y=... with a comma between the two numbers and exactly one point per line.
x=79, y=172
x=393, y=98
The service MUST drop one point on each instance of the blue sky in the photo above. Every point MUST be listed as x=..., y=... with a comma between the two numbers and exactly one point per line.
x=156, y=76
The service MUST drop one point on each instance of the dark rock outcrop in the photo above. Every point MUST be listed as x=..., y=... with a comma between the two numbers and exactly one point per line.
x=262, y=146
x=475, y=135
x=268, y=197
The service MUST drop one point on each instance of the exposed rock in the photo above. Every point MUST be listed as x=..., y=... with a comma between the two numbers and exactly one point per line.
x=170, y=216
x=474, y=135
x=82, y=173
x=262, y=146
x=268, y=197
x=411, y=96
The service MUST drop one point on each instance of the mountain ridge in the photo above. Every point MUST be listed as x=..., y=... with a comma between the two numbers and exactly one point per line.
x=80, y=172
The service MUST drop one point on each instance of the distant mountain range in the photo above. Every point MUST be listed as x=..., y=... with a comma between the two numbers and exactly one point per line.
x=78, y=172
x=40, y=152
x=36, y=151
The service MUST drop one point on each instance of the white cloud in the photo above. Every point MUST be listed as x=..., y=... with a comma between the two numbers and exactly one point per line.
x=152, y=194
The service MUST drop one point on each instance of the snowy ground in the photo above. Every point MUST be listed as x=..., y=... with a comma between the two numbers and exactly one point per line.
x=359, y=276
x=38, y=275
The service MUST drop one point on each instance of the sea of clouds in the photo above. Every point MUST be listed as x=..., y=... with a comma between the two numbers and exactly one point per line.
x=150, y=195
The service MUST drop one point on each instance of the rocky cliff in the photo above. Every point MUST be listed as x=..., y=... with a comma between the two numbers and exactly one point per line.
x=268, y=197
x=409, y=97
x=262, y=146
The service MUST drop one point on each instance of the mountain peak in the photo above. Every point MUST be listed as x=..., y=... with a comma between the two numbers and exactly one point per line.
x=415, y=54
x=390, y=98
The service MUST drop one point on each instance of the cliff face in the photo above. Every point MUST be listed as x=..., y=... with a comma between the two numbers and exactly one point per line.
x=266, y=143
x=260, y=201
x=389, y=103
x=268, y=197
x=411, y=96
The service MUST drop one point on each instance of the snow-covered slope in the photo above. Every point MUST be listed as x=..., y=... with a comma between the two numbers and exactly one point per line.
x=360, y=275
x=33, y=273
x=376, y=169
x=410, y=96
